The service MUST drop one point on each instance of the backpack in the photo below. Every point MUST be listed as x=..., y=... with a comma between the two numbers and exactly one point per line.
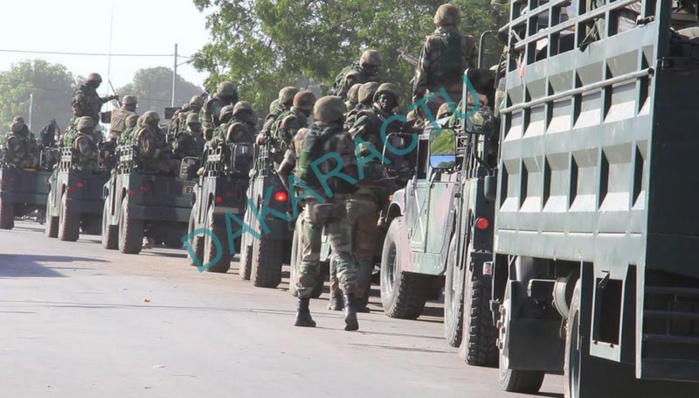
x=340, y=78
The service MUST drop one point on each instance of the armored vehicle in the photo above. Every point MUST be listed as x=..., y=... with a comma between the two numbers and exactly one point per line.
x=593, y=235
x=139, y=202
x=75, y=198
x=22, y=191
x=216, y=220
x=263, y=253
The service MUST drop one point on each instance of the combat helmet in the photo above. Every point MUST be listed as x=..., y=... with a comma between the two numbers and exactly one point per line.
x=242, y=106
x=304, y=100
x=226, y=89
x=353, y=93
x=387, y=88
x=17, y=124
x=85, y=123
x=286, y=95
x=329, y=109
x=225, y=111
x=94, y=79
x=151, y=118
x=370, y=58
x=131, y=120
x=196, y=102
x=193, y=118
x=273, y=106
x=130, y=100
x=366, y=92
x=447, y=14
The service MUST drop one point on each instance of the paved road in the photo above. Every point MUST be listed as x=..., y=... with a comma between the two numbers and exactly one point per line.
x=78, y=320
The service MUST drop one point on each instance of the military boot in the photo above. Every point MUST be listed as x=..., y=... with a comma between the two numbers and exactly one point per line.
x=351, y=322
x=336, y=302
x=303, y=314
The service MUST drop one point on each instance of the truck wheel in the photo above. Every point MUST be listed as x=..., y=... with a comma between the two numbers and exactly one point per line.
x=479, y=339
x=130, y=231
x=403, y=294
x=51, y=229
x=453, y=297
x=211, y=250
x=196, y=243
x=7, y=215
x=110, y=233
x=511, y=380
x=245, y=258
x=266, y=262
x=68, y=222
x=572, y=359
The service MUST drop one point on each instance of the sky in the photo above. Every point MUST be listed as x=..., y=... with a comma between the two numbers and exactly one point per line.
x=83, y=26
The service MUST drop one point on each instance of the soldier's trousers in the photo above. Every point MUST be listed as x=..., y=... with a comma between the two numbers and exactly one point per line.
x=363, y=215
x=332, y=216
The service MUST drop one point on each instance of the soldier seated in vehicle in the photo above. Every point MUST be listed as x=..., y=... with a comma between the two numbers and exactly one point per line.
x=85, y=152
x=278, y=106
x=289, y=123
x=189, y=141
x=226, y=94
x=364, y=71
x=153, y=152
x=131, y=125
x=365, y=98
x=20, y=148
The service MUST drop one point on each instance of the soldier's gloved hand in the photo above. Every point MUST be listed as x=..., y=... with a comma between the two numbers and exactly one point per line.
x=113, y=97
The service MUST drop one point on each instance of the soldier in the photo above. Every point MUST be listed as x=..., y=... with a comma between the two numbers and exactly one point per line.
x=189, y=142
x=370, y=122
x=326, y=135
x=226, y=94
x=179, y=118
x=364, y=71
x=118, y=122
x=153, y=151
x=20, y=148
x=352, y=96
x=84, y=146
x=86, y=101
x=283, y=104
x=130, y=126
x=444, y=58
x=445, y=110
x=241, y=128
x=365, y=98
x=219, y=133
x=289, y=123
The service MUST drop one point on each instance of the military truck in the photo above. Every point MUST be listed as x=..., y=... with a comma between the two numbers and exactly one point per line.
x=593, y=233
x=140, y=202
x=75, y=200
x=23, y=191
x=216, y=219
x=263, y=254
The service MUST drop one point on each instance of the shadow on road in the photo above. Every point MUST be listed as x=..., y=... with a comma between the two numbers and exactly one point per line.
x=29, y=265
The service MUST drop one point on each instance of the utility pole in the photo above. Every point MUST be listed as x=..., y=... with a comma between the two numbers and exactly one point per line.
x=31, y=105
x=174, y=77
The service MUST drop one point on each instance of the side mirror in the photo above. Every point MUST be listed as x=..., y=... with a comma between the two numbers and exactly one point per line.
x=490, y=186
x=106, y=117
x=442, y=148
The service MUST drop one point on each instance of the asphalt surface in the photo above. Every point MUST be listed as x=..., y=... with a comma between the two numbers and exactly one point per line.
x=81, y=321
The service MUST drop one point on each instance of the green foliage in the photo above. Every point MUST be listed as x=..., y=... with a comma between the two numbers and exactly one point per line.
x=51, y=85
x=153, y=87
x=264, y=45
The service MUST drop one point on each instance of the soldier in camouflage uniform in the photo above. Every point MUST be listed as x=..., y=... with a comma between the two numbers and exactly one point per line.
x=118, y=122
x=226, y=94
x=241, y=128
x=85, y=152
x=283, y=104
x=130, y=126
x=19, y=148
x=352, y=96
x=364, y=71
x=189, y=142
x=86, y=101
x=444, y=110
x=369, y=122
x=444, y=58
x=365, y=98
x=289, y=123
x=154, y=152
x=179, y=119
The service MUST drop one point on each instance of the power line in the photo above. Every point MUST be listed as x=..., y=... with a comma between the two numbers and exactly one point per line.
x=88, y=54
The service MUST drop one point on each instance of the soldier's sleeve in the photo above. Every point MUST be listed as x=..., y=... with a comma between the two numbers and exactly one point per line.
x=348, y=81
x=345, y=148
x=360, y=126
x=146, y=143
x=422, y=71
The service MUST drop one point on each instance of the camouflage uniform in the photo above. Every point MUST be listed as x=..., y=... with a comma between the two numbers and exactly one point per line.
x=178, y=123
x=226, y=94
x=444, y=58
x=86, y=101
x=276, y=108
x=352, y=96
x=130, y=126
x=324, y=136
x=189, y=142
x=369, y=122
x=364, y=71
x=85, y=152
x=19, y=147
x=289, y=123
x=118, y=121
x=153, y=151
x=241, y=127
x=365, y=97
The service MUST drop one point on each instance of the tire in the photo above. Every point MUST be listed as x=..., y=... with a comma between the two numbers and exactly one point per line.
x=211, y=251
x=130, y=231
x=245, y=259
x=403, y=294
x=68, y=222
x=196, y=243
x=110, y=233
x=520, y=381
x=479, y=338
x=454, y=297
x=572, y=358
x=51, y=228
x=267, y=257
x=7, y=215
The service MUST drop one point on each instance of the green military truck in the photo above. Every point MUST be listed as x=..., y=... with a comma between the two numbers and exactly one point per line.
x=139, y=202
x=216, y=219
x=74, y=201
x=593, y=231
x=22, y=191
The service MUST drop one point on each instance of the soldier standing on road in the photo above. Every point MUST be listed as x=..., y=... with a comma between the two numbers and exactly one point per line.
x=444, y=58
x=118, y=122
x=84, y=146
x=283, y=104
x=289, y=123
x=226, y=94
x=20, y=148
x=365, y=98
x=364, y=71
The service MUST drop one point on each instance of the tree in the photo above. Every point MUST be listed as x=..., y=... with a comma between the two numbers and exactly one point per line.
x=50, y=85
x=264, y=45
x=153, y=88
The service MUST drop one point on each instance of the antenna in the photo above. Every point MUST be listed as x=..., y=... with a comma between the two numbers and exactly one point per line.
x=109, y=57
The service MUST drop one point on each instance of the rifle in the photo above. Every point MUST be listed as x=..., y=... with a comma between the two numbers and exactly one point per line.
x=115, y=93
x=411, y=59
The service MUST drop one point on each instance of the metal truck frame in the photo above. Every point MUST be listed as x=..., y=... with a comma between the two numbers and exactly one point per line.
x=594, y=232
x=136, y=201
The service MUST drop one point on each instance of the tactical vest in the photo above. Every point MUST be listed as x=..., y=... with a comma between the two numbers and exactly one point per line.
x=80, y=159
x=451, y=55
x=318, y=142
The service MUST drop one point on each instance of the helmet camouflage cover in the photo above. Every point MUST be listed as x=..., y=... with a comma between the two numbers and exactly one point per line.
x=286, y=95
x=273, y=106
x=304, y=100
x=17, y=125
x=447, y=14
x=85, y=123
x=366, y=92
x=193, y=118
x=130, y=100
x=370, y=58
x=131, y=120
x=151, y=117
x=387, y=88
x=241, y=107
x=329, y=109
x=226, y=111
x=196, y=101
x=226, y=89
x=353, y=92
x=94, y=77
